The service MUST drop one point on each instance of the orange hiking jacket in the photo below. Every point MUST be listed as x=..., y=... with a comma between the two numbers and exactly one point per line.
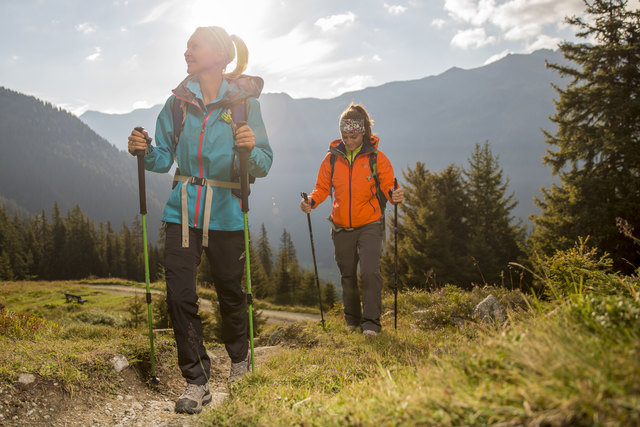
x=354, y=202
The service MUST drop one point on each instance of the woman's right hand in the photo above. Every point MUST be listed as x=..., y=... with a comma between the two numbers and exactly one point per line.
x=305, y=206
x=137, y=142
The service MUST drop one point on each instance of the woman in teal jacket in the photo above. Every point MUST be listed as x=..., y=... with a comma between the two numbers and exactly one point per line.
x=197, y=130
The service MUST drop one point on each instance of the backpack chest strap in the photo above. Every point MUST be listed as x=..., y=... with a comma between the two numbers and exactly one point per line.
x=209, y=184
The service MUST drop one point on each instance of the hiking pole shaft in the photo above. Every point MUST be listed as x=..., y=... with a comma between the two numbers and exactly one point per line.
x=313, y=254
x=143, y=213
x=249, y=295
x=244, y=185
x=395, y=260
x=239, y=114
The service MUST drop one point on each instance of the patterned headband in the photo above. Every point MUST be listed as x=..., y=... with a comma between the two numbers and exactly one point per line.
x=351, y=126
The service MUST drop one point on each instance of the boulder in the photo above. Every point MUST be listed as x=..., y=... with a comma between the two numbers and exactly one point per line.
x=26, y=378
x=119, y=363
x=489, y=310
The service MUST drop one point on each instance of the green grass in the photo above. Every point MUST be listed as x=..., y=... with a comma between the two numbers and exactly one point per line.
x=265, y=305
x=47, y=299
x=572, y=359
x=69, y=343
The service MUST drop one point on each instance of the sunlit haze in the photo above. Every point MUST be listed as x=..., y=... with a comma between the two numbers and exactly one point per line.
x=114, y=56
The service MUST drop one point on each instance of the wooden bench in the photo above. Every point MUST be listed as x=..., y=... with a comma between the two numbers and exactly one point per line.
x=74, y=298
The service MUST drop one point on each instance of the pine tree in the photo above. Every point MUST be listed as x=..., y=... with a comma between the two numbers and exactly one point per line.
x=432, y=231
x=309, y=290
x=265, y=255
x=130, y=250
x=58, y=257
x=35, y=241
x=260, y=283
x=287, y=271
x=494, y=238
x=330, y=296
x=80, y=245
x=6, y=273
x=595, y=151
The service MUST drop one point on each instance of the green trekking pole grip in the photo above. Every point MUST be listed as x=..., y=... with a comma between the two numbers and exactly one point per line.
x=315, y=266
x=143, y=213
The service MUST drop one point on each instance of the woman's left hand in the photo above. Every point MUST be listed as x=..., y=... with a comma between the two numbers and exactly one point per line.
x=397, y=195
x=245, y=139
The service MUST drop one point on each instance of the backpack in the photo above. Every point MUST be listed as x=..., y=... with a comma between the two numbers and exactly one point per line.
x=373, y=165
x=179, y=113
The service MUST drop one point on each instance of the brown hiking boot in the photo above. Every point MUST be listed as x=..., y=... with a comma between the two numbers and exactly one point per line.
x=239, y=369
x=193, y=399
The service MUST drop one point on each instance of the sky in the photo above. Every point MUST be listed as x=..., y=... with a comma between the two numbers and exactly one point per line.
x=114, y=56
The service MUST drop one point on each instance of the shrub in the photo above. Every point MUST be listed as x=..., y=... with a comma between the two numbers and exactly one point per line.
x=23, y=325
x=96, y=318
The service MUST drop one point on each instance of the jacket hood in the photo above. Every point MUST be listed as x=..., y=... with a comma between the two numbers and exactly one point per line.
x=241, y=88
x=337, y=146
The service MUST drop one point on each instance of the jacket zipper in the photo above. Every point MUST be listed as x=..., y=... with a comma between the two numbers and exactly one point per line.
x=350, y=175
x=204, y=124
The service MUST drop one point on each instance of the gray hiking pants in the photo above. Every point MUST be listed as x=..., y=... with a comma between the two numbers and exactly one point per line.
x=364, y=245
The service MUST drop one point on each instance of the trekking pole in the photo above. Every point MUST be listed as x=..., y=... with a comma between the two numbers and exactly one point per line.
x=315, y=266
x=395, y=260
x=239, y=115
x=143, y=213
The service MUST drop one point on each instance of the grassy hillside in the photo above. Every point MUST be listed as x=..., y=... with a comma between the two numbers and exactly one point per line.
x=572, y=360
x=569, y=357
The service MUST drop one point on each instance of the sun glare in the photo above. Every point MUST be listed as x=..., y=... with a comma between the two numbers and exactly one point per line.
x=240, y=17
x=244, y=18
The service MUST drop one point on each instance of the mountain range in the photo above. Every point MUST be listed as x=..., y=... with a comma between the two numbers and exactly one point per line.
x=436, y=120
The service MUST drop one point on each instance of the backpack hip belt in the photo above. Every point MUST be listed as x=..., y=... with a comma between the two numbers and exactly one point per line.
x=209, y=183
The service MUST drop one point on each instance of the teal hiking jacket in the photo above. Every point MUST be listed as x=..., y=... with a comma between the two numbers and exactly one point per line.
x=205, y=150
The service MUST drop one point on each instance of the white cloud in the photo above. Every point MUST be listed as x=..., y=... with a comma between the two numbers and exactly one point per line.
x=295, y=52
x=520, y=13
x=352, y=83
x=86, y=28
x=395, y=9
x=518, y=20
x=438, y=23
x=498, y=56
x=334, y=21
x=470, y=11
x=156, y=13
x=142, y=105
x=474, y=38
x=543, y=42
x=95, y=55
x=377, y=58
x=523, y=32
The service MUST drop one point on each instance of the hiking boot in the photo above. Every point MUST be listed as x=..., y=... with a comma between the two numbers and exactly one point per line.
x=193, y=399
x=239, y=369
x=369, y=333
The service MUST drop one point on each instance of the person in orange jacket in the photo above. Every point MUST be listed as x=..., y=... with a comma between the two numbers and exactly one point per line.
x=357, y=218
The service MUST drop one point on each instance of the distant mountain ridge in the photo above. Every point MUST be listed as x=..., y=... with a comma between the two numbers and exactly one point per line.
x=436, y=120
x=49, y=155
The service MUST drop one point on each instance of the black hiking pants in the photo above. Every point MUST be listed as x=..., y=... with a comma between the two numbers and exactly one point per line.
x=226, y=256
